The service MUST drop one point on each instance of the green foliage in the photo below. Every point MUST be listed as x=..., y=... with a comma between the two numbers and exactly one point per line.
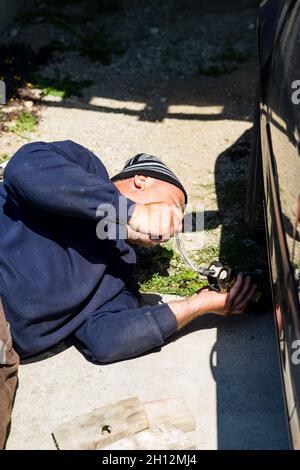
x=162, y=270
x=60, y=85
x=25, y=123
x=19, y=62
x=184, y=283
x=4, y=157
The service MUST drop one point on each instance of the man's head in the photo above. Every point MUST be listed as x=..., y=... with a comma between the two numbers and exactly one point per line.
x=146, y=180
x=145, y=190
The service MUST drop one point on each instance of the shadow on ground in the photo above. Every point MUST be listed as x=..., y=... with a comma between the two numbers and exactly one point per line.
x=244, y=360
x=164, y=50
x=245, y=367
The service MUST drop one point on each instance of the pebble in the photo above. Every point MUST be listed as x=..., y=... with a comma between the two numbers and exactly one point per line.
x=28, y=104
x=13, y=32
x=52, y=98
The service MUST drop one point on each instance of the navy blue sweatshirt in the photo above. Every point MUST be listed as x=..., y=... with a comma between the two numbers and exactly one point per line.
x=54, y=271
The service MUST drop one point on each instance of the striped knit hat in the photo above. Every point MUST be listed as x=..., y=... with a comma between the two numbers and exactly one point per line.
x=148, y=165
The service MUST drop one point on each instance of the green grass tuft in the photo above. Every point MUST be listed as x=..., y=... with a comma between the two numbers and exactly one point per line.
x=25, y=123
x=60, y=85
x=184, y=283
x=162, y=270
x=4, y=157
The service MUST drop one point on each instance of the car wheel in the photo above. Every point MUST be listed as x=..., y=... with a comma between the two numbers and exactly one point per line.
x=254, y=207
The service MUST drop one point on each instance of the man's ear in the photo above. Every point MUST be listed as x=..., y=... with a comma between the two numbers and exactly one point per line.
x=140, y=182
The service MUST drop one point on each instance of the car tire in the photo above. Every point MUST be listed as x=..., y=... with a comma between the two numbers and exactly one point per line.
x=254, y=205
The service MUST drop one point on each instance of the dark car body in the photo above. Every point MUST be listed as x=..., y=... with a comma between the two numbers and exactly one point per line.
x=274, y=183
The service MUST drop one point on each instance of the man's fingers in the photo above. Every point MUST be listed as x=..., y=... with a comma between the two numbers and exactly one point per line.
x=159, y=220
x=242, y=305
x=138, y=238
x=178, y=218
x=234, y=291
x=244, y=302
x=240, y=294
x=245, y=287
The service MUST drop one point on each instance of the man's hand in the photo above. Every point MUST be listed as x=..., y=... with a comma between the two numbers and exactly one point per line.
x=207, y=301
x=233, y=302
x=159, y=221
x=139, y=239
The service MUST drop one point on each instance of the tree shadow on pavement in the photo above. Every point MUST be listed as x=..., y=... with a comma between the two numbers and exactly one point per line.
x=244, y=360
x=152, y=94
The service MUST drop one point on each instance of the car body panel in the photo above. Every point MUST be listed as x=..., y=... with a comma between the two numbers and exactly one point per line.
x=279, y=58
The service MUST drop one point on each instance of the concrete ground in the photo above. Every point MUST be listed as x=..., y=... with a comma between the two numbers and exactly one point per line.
x=226, y=369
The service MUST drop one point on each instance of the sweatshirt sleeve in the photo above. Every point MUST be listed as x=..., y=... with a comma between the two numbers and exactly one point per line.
x=63, y=179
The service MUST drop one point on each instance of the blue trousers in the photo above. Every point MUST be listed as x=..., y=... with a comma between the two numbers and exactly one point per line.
x=121, y=329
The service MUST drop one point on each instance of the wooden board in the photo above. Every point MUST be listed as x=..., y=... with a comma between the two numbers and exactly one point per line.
x=168, y=419
x=102, y=426
x=162, y=437
x=170, y=410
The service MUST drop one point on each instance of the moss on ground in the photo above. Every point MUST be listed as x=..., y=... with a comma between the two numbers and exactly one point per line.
x=60, y=85
x=163, y=271
x=25, y=122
